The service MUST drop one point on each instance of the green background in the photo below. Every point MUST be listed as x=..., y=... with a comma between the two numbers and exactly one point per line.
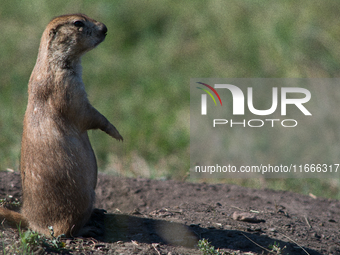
x=139, y=76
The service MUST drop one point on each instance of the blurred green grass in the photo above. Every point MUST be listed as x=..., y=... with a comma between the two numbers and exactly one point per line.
x=139, y=76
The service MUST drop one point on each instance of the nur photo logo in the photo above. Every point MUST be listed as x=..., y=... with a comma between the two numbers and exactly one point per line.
x=264, y=127
x=280, y=98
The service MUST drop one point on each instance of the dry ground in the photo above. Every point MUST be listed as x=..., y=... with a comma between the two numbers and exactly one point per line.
x=168, y=217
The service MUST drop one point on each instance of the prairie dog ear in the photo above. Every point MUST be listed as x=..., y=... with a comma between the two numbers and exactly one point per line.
x=52, y=33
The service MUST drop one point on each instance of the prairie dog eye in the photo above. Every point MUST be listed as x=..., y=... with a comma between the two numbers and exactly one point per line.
x=78, y=23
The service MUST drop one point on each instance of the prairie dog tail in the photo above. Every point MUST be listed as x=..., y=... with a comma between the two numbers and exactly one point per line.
x=13, y=218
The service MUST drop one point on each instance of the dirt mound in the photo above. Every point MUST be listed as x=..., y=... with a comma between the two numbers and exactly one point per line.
x=168, y=217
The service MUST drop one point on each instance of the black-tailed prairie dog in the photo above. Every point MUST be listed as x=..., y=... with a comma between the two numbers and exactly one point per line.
x=58, y=165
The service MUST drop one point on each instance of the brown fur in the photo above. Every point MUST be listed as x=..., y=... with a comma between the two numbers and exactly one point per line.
x=13, y=218
x=58, y=165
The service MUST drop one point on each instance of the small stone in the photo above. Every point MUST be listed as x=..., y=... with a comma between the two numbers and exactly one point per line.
x=228, y=227
x=244, y=216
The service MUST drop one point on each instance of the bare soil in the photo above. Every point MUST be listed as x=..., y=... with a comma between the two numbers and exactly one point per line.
x=169, y=217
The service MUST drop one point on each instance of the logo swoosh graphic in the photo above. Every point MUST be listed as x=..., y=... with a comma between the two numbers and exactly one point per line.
x=208, y=86
x=209, y=94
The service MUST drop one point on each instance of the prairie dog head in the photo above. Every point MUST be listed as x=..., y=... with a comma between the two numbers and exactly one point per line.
x=68, y=37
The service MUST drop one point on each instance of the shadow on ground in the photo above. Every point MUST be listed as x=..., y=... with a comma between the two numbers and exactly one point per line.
x=120, y=227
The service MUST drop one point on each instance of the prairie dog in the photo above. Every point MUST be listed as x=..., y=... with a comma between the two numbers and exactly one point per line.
x=58, y=166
